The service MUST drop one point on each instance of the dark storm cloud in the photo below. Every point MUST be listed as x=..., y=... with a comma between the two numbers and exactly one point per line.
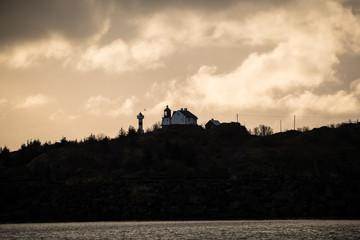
x=23, y=20
x=154, y=5
x=206, y=5
x=125, y=11
x=142, y=8
x=354, y=4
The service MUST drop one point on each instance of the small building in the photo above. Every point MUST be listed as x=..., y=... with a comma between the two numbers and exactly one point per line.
x=212, y=123
x=179, y=117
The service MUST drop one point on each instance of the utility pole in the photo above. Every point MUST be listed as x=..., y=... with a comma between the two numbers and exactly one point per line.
x=237, y=117
x=294, y=122
x=280, y=126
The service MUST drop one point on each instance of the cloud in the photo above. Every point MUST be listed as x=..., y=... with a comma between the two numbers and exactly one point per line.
x=161, y=35
x=120, y=56
x=337, y=103
x=92, y=39
x=24, y=21
x=33, y=101
x=61, y=115
x=297, y=25
x=355, y=87
x=163, y=28
x=304, y=40
x=307, y=44
x=32, y=54
x=3, y=102
x=100, y=105
x=33, y=33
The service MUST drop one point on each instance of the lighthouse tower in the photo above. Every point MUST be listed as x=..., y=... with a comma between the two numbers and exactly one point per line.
x=166, y=119
x=140, y=117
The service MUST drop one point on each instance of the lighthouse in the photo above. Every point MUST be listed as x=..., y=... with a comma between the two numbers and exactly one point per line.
x=140, y=117
x=166, y=119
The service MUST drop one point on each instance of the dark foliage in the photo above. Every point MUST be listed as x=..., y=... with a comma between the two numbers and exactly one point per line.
x=182, y=172
x=192, y=152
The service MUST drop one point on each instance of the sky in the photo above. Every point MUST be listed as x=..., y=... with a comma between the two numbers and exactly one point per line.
x=72, y=68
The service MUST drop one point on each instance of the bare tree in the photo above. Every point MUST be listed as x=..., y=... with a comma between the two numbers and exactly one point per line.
x=263, y=130
x=156, y=126
x=256, y=131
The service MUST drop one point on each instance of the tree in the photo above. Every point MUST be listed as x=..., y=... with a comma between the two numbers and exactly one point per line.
x=156, y=126
x=121, y=133
x=263, y=130
x=256, y=131
x=4, y=151
x=91, y=138
x=304, y=129
x=29, y=151
x=63, y=140
x=131, y=131
x=101, y=137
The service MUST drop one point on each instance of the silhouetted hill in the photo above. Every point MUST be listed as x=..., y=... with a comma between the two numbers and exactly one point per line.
x=175, y=151
x=185, y=173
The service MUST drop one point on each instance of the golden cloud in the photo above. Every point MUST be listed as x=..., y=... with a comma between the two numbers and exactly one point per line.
x=103, y=106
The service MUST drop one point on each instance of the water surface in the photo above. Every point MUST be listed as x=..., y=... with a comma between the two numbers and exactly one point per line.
x=277, y=229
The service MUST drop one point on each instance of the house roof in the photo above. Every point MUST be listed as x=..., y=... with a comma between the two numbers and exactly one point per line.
x=188, y=114
x=215, y=122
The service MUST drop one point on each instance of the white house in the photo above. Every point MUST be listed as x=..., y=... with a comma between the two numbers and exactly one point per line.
x=180, y=117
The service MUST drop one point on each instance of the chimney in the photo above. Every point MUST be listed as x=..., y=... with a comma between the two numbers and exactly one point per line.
x=185, y=109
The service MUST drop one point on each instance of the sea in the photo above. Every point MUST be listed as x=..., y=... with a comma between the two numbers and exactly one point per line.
x=266, y=229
